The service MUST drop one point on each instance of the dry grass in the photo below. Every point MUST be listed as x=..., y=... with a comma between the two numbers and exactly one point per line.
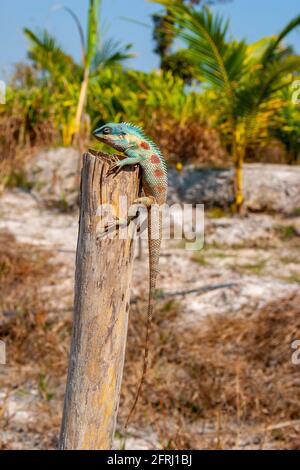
x=232, y=374
x=25, y=326
x=227, y=382
x=19, y=140
x=192, y=142
x=37, y=344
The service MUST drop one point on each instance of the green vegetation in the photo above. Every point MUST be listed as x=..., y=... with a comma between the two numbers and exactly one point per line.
x=287, y=232
x=253, y=268
x=289, y=259
x=216, y=213
x=43, y=388
x=248, y=79
x=69, y=79
x=200, y=259
x=287, y=129
x=219, y=254
x=17, y=179
x=213, y=99
x=293, y=278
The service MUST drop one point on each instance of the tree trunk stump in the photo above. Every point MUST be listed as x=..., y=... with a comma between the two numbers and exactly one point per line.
x=102, y=291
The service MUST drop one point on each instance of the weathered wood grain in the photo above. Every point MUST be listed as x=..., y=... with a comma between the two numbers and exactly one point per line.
x=102, y=285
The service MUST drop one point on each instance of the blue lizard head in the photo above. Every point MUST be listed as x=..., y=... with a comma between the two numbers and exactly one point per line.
x=119, y=136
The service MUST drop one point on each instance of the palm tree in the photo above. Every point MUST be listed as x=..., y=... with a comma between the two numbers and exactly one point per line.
x=247, y=79
x=50, y=58
x=161, y=32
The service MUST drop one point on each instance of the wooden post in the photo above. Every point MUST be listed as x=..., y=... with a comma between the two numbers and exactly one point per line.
x=102, y=285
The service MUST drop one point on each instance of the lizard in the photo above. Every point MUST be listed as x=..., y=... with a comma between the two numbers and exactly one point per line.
x=138, y=149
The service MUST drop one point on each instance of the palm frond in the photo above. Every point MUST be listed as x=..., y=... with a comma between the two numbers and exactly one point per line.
x=111, y=52
x=46, y=53
x=271, y=50
x=79, y=28
x=256, y=50
x=42, y=39
x=277, y=76
x=220, y=62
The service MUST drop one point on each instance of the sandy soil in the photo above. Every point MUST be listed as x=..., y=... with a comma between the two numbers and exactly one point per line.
x=255, y=256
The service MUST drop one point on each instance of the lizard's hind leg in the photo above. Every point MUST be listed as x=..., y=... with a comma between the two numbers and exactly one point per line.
x=133, y=211
x=116, y=224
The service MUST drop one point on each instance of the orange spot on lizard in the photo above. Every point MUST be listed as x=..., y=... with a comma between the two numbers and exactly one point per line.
x=158, y=173
x=160, y=189
x=145, y=145
x=154, y=159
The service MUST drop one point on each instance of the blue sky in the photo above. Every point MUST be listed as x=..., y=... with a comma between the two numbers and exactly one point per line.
x=250, y=19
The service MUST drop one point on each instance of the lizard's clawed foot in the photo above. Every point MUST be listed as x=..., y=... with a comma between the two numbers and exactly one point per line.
x=113, y=170
x=107, y=157
x=111, y=227
x=104, y=156
x=118, y=224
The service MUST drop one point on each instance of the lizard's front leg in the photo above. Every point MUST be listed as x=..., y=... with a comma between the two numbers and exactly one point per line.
x=120, y=163
x=133, y=210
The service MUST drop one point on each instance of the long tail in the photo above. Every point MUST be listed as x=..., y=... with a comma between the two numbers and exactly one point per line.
x=154, y=243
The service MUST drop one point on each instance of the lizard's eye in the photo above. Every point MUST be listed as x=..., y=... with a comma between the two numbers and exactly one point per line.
x=106, y=130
